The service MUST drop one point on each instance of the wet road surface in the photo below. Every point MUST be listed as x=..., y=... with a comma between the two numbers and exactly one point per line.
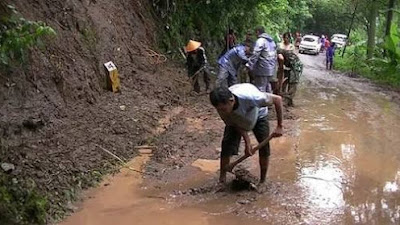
x=339, y=163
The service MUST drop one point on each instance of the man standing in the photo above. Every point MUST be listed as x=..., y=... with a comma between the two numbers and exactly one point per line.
x=330, y=52
x=244, y=108
x=196, y=62
x=262, y=64
x=230, y=62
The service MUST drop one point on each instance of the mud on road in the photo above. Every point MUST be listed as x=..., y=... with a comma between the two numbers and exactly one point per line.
x=338, y=163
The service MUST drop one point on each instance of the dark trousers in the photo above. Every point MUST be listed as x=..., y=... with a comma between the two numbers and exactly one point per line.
x=206, y=79
x=232, y=137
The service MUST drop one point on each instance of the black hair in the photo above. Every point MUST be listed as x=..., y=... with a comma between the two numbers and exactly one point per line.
x=287, y=34
x=220, y=95
x=248, y=43
x=260, y=29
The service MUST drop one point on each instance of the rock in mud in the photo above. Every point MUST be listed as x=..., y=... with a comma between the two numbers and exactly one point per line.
x=243, y=201
x=244, y=180
x=32, y=123
x=8, y=167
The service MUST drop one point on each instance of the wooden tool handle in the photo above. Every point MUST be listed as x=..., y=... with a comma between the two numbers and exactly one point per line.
x=254, y=150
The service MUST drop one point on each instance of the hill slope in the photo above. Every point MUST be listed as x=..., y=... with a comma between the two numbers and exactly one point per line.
x=56, y=116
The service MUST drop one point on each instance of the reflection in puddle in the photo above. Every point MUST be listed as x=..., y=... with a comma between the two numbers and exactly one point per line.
x=390, y=187
x=323, y=185
x=348, y=151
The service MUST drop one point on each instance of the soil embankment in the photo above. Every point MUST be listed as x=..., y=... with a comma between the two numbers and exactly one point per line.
x=56, y=116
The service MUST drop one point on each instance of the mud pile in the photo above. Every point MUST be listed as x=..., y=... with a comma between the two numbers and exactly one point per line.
x=56, y=116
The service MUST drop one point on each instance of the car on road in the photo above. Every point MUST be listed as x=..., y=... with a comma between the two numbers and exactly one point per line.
x=310, y=44
x=339, y=40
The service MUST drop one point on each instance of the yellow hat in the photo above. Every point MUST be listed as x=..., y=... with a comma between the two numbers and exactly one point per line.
x=192, y=45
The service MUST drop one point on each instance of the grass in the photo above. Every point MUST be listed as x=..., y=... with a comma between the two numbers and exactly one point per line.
x=377, y=69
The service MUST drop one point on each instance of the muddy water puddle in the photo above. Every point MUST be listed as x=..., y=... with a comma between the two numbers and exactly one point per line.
x=348, y=154
x=123, y=200
x=339, y=163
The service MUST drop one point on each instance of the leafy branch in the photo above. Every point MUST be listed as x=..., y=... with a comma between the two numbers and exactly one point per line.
x=17, y=35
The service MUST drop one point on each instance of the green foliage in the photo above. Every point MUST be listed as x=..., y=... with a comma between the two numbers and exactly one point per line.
x=329, y=16
x=380, y=69
x=209, y=20
x=17, y=35
x=20, y=202
x=392, y=44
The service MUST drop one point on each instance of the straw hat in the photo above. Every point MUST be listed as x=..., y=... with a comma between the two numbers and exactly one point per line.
x=192, y=45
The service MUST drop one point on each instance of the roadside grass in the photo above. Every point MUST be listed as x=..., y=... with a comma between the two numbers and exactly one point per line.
x=378, y=70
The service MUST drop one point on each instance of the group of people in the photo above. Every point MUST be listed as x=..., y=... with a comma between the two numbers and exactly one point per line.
x=271, y=67
x=273, y=71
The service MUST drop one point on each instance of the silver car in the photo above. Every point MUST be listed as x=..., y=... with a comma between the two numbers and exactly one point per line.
x=339, y=40
x=310, y=44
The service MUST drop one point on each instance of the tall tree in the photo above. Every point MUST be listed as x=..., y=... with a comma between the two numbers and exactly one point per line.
x=389, y=17
x=372, y=14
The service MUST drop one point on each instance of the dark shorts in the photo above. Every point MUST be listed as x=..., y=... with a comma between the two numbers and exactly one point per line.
x=231, y=140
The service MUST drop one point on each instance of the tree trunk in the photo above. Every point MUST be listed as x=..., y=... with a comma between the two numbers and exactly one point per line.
x=389, y=19
x=373, y=11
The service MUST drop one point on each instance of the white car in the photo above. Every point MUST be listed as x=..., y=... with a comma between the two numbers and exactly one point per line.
x=311, y=44
x=339, y=40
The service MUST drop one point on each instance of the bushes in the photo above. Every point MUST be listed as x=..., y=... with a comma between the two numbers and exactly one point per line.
x=17, y=35
x=20, y=202
x=384, y=70
x=209, y=20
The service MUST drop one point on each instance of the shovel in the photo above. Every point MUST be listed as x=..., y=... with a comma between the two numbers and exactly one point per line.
x=230, y=167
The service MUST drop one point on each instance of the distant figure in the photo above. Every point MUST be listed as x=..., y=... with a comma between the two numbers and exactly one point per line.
x=249, y=36
x=298, y=40
x=330, y=53
x=244, y=74
x=197, y=64
x=230, y=42
x=231, y=39
x=323, y=40
x=327, y=43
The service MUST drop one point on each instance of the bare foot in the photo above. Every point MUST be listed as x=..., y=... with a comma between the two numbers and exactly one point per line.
x=220, y=187
x=261, y=187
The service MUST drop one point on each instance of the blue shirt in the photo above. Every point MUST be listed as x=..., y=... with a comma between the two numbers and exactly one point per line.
x=232, y=59
x=330, y=52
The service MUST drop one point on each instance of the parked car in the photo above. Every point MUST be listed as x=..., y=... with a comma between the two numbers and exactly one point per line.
x=310, y=44
x=339, y=40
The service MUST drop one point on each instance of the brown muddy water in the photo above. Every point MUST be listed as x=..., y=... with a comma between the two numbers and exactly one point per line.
x=339, y=163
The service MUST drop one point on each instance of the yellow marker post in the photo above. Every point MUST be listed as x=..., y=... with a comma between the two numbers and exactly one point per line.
x=112, y=79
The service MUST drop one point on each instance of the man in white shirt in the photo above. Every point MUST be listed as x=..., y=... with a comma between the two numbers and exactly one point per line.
x=244, y=108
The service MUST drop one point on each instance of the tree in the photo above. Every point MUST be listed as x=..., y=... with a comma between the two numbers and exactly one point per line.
x=389, y=18
x=373, y=12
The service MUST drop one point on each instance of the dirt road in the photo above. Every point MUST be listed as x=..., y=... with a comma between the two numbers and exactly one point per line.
x=338, y=163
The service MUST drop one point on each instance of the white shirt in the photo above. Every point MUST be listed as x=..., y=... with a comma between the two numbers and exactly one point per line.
x=251, y=106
